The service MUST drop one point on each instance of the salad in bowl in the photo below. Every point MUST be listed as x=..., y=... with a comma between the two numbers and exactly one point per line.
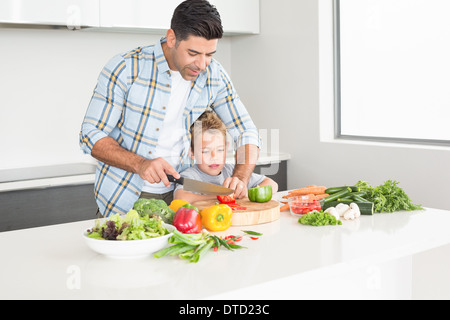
x=128, y=236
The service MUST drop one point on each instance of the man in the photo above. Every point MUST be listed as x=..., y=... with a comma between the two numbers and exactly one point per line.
x=137, y=123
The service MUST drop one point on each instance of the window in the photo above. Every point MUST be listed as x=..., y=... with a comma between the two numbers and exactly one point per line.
x=392, y=70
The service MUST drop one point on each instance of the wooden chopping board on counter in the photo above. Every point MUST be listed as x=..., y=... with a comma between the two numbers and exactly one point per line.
x=256, y=213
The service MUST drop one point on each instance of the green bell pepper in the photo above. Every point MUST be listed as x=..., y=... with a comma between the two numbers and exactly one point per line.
x=260, y=194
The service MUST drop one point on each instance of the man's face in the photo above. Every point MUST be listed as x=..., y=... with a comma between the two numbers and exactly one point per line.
x=191, y=57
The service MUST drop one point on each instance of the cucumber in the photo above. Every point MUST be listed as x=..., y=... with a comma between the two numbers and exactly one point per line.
x=358, y=198
x=366, y=208
x=345, y=200
x=337, y=189
x=340, y=194
x=358, y=193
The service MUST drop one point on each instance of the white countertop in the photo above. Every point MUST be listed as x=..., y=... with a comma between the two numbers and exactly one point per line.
x=54, y=262
x=77, y=173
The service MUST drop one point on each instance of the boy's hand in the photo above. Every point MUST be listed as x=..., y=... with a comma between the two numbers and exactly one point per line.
x=239, y=187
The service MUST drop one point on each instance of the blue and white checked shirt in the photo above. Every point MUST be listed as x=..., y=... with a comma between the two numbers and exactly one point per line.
x=129, y=105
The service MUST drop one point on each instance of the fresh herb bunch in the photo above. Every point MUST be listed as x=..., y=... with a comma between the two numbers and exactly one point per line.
x=387, y=197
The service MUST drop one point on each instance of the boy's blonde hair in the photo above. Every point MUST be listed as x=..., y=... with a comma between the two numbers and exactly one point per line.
x=209, y=120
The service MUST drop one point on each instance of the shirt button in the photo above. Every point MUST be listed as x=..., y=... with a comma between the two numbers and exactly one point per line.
x=150, y=152
x=167, y=85
x=164, y=108
x=157, y=129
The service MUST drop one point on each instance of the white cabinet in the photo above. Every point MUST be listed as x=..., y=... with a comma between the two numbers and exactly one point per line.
x=137, y=15
x=238, y=16
x=72, y=14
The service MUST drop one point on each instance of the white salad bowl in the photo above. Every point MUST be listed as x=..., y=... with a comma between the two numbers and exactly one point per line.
x=129, y=249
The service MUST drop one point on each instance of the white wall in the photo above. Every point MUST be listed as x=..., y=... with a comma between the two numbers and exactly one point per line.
x=277, y=75
x=46, y=82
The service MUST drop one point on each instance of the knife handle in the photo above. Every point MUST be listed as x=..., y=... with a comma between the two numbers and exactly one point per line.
x=172, y=179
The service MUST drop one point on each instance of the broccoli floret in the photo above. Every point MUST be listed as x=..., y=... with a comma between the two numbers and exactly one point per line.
x=150, y=207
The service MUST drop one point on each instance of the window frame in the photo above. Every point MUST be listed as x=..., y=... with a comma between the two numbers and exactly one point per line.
x=338, y=103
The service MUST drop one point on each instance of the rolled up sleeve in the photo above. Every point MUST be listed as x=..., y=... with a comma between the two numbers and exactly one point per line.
x=106, y=105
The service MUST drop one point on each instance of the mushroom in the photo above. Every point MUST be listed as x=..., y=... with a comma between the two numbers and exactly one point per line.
x=353, y=212
x=342, y=208
x=333, y=211
x=355, y=207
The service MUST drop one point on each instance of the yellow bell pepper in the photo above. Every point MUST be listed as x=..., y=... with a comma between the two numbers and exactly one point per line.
x=217, y=217
x=177, y=204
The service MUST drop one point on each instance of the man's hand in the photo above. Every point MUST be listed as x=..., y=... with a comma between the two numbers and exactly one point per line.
x=156, y=170
x=109, y=151
x=239, y=187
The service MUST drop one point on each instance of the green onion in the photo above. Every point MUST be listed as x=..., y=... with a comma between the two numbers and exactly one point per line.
x=253, y=233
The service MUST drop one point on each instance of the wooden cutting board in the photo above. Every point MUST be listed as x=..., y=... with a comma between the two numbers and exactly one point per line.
x=256, y=213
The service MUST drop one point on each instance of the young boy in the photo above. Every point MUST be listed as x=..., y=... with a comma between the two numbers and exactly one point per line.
x=209, y=149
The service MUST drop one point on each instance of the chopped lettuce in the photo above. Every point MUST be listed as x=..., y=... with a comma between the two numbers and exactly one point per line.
x=319, y=218
x=132, y=226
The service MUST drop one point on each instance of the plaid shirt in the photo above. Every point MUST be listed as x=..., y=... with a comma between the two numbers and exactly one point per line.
x=129, y=105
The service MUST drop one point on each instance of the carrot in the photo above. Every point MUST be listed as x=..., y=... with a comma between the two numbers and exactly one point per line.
x=321, y=196
x=309, y=196
x=309, y=190
x=285, y=207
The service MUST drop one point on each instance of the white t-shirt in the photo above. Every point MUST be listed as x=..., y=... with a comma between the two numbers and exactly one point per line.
x=170, y=142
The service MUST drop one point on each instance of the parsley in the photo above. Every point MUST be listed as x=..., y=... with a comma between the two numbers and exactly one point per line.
x=387, y=197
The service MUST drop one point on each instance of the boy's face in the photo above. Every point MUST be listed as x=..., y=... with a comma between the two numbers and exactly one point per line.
x=210, y=152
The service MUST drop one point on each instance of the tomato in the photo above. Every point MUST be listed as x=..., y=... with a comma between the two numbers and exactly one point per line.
x=298, y=207
x=235, y=206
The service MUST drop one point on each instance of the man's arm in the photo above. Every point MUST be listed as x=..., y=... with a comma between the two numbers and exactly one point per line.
x=110, y=152
x=246, y=157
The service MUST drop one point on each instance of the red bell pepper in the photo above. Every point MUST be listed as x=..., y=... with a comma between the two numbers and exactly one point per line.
x=226, y=199
x=231, y=202
x=187, y=220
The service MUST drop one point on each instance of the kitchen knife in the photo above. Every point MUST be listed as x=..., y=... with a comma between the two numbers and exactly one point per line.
x=201, y=187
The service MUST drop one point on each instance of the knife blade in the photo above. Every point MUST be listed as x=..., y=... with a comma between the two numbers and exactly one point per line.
x=201, y=187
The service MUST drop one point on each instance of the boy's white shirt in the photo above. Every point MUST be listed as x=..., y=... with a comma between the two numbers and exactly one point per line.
x=170, y=143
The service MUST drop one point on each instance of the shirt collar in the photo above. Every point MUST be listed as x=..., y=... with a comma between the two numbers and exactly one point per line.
x=161, y=61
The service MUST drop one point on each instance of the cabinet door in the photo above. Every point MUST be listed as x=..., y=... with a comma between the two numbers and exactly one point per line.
x=70, y=13
x=137, y=14
x=238, y=16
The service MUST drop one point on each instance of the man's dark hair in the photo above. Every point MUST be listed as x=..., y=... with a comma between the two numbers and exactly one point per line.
x=198, y=18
